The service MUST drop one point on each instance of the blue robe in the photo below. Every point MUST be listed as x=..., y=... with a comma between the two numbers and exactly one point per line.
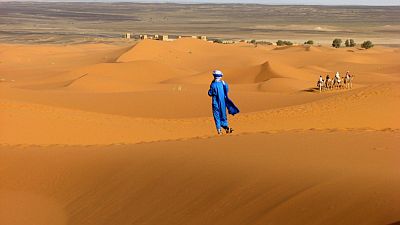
x=220, y=102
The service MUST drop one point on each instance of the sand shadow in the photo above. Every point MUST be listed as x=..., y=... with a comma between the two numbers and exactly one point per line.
x=311, y=90
x=395, y=223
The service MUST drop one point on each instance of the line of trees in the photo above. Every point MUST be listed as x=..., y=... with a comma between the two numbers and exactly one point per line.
x=282, y=43
x=337, y=42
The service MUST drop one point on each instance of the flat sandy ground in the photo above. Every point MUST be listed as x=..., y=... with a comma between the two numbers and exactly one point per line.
x=82, y=22
x=122, y=134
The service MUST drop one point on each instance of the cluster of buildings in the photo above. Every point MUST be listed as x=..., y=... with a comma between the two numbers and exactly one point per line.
x=160, y=37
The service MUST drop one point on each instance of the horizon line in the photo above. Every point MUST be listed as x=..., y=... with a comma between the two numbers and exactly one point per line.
x=197, y=2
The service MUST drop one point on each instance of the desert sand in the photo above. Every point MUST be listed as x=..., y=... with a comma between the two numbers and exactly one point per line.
x=123, y=134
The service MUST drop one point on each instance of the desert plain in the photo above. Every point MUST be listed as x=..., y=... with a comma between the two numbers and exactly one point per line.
x=122, y=133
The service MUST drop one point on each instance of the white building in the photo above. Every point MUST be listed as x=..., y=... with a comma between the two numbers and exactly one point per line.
x=163, y=37
x=127, y=35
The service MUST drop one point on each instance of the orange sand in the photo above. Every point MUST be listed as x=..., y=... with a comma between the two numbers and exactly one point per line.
x=72, y=119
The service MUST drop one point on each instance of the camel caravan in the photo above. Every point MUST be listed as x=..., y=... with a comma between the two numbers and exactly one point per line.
x=337, y=82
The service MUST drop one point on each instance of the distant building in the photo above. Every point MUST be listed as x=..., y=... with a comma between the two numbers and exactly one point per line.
x=173, y=37
x=163, y=38
x=204, y=38
x=143, y=36
x=228, y=42
x=127, y=35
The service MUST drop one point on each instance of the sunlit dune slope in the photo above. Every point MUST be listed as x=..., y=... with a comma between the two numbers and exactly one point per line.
x=39, y=124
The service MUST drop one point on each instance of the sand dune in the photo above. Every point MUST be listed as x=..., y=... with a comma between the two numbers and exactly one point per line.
x=234, y=75
x=207, y=181
x=193, y=54
x=284, y=85
x=117, y=134
x=121, y=76
x=350, y=110
x=33, y=63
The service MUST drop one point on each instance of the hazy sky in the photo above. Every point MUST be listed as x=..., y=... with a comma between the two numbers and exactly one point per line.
x=301, y=2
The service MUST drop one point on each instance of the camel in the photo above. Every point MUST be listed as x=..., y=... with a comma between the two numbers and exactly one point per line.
x=348, y=81
x=320, y=85
x=329, y=83
x=337, y=83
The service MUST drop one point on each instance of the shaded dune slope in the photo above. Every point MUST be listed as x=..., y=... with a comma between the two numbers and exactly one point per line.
x=235, y=75
x=191, y=182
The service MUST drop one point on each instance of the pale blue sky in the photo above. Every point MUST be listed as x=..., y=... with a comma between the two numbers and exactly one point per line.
x=300, y=2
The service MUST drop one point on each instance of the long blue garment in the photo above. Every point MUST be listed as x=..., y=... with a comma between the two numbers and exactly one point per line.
x=220, y=101
x=232, y=109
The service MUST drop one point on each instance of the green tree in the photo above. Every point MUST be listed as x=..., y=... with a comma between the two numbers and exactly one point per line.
x=350, y=43
x=264, y=43
x=279, y=43
x=336, y=43
x=287, y=43
x=367, y=44
x=309, y=42
x=218, y=41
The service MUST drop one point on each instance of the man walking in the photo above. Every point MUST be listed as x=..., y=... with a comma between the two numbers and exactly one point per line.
x=220, y=102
